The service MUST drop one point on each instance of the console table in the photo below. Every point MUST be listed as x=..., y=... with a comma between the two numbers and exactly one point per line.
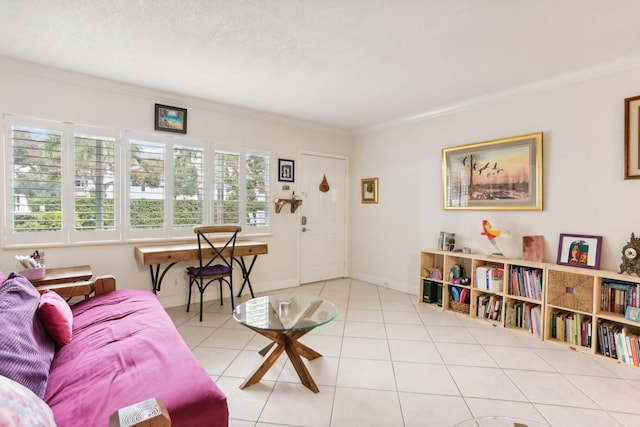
x=170, y=254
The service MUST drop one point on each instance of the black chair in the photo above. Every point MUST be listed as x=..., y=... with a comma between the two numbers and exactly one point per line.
x=216, y=246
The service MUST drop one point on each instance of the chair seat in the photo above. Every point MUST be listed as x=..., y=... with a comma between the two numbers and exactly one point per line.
x=212, y=270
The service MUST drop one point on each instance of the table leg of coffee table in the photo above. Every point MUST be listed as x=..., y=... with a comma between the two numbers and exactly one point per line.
x=264, y=367
x=292, y=348
x=287, y=342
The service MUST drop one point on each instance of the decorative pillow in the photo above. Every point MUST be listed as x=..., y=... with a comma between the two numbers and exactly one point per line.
x=26, y=350
x=20, y=407
x=56, y=316
x=2, y=277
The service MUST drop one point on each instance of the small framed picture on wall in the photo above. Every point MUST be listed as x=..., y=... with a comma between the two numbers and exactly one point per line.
x=369, y=188
x=285, y=170
x=170, y=119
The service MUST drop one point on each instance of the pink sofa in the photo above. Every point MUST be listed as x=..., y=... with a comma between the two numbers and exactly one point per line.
x=125, y=349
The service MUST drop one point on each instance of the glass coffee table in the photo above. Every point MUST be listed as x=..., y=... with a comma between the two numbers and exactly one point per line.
x=284, y=320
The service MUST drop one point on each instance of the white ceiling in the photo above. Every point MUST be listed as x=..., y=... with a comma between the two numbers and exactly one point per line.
x=350, y=64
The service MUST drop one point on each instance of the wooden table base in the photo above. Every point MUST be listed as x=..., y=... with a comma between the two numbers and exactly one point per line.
x=285, y=342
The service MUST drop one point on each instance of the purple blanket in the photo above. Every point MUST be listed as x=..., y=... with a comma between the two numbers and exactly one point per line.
x=125, y=349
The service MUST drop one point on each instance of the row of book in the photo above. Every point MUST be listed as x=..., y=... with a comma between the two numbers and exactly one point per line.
x=526, y=282
x=489, y=278
x=616, y=296
x=570, y=327
x=519, y=314
x=618, y=342
x=489, y=306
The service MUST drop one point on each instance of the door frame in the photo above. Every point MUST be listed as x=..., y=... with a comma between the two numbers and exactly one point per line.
x=347, y=214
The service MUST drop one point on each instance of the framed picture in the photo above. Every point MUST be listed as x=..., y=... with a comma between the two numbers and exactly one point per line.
x=171, y=119
x=632, y=138
x=369, y=188
x=285, y=170
x=504, y=174
x=580, y=251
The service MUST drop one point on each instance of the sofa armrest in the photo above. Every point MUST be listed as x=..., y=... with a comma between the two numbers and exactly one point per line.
x=104, y=284
x=148, y=413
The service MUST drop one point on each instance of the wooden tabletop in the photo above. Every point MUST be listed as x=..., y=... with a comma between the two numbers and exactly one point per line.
x=176, y=252
x=59, y=275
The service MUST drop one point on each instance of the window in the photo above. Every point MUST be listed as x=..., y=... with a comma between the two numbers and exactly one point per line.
x=94, y=183
x=188, y=184
x=36, y=178
x=242, y=175
x=146, y=185
x=70, y=183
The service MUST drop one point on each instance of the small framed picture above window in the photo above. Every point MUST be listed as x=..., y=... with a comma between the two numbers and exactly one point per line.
x=171, y=119
x=285, y=170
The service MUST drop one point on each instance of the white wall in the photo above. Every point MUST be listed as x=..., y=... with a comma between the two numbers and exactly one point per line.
x=583, y=190
x=45, y=93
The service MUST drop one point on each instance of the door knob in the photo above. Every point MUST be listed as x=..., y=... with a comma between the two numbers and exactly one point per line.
x=305, y=229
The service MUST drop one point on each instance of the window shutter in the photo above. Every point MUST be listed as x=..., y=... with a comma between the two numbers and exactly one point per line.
x=257, y=185
x=146, y=185
x=226, y=194
x=94, y=183
x=36, y=180
x=188, y=171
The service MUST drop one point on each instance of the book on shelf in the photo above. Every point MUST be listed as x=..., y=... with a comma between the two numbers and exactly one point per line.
x=526, y=282
x=616, y=296
x=496, y=279
x=482, y=281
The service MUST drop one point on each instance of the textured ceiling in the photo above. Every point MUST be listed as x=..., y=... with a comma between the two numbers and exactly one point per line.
x=350, y=64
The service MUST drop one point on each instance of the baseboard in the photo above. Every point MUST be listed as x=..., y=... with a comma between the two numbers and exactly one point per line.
x=397, y=286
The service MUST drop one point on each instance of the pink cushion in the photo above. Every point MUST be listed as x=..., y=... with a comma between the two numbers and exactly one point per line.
x=2, y=277
x=56, y=316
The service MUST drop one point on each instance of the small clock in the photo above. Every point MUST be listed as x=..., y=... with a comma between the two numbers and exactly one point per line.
x=631, y=256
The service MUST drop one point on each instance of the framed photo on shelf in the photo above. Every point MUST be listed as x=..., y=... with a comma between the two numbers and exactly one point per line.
x=170, y=119
x=503, y=174
x=632, y=138
x=580, y=251
x=369, y=188
x=285, y=170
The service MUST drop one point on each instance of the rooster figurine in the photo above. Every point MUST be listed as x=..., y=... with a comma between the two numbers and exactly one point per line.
x=491, y=234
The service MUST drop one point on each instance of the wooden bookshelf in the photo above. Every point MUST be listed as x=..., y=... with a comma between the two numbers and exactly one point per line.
x=586, y=311
x=512, y=295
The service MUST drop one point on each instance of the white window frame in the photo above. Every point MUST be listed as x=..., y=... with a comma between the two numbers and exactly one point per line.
x=122, y=153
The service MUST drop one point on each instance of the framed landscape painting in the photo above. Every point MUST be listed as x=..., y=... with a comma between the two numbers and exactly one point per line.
x=504, y=174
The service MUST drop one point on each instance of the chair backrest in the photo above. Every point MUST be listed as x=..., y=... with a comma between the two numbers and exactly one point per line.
x=216, y=244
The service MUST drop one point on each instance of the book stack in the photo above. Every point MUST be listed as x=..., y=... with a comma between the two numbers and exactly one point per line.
x=489, y=307
x=519, y=314
x=617, y=342
x=570, y=327
x=526, y=282
x=616, y=296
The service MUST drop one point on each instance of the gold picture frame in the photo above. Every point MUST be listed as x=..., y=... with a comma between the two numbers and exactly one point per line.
x=503, y=174
x=632, y=138
x=369, y=190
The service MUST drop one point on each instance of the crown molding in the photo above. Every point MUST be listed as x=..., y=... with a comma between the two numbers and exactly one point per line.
x=621, y=64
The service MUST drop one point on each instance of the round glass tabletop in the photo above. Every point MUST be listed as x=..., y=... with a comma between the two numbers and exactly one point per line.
x=285, y=312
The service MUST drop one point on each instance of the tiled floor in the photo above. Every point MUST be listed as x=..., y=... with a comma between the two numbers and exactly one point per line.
x=389, y=361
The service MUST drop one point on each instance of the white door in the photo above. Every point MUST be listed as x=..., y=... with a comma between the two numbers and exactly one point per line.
x=322, y=218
